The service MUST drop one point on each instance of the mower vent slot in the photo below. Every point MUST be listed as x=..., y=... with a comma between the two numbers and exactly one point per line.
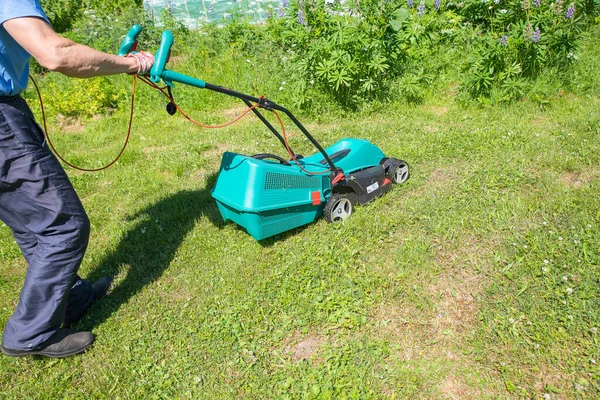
x=282, y=225
x=275, y=181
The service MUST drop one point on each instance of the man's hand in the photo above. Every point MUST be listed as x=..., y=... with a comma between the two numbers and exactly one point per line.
x=145, y=61
x=59, y=54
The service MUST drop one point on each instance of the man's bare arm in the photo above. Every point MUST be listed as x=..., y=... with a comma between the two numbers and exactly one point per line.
x=63, y=55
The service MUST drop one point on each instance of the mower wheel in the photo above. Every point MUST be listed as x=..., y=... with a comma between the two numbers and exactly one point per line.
x=400, y=173
x=339, y=207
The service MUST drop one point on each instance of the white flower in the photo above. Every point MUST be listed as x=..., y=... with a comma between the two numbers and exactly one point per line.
x=570, y=317
x=560, y=238
x=545, y=223
x=511, y=320
x=594, y=330
x=569, y=290
x=524, y=246
x=546, y=261
x=544, y=270
x=247, y=60
x=280, y=87
x=503, y=11
x=565, y=278
x=546, y=396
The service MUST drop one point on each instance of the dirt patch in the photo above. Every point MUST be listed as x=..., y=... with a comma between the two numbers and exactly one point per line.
x=305, y=347
x=454, y=387
x=69, y=125
x=580, y=178
x=438, y=328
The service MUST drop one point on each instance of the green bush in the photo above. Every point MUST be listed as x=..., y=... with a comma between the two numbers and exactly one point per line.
x=521, y=40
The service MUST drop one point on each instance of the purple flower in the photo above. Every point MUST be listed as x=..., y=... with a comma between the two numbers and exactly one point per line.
x=421, y=8
x=211, y=9
x=504, y=40
x=437, y=4
x=285, y=3
x=570, y=11
x=280, y=13
x=170, y=6
x=268, y=15
x=537, y=3
x=536, y=35
x=409, y=3
x=301, y=20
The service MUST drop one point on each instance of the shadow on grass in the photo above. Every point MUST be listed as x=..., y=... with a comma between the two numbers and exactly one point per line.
x=149, y=247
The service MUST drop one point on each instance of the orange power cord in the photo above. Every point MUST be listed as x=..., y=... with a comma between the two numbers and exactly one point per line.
x=162, y=90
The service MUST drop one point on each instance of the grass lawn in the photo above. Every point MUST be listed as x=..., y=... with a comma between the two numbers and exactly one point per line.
x=478, y=278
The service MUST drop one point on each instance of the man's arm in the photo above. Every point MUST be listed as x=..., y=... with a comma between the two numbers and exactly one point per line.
x=63, y=55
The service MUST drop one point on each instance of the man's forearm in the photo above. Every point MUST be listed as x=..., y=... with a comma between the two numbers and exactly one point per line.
x=76, y=60
x=63, y=55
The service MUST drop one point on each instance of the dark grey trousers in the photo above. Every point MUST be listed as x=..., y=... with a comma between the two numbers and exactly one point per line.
x=49, y=223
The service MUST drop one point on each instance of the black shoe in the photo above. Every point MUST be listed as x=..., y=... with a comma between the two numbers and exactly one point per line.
x=65, y=342
x=101, y=286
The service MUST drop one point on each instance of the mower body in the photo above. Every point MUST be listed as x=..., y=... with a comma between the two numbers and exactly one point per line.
x=270, y=197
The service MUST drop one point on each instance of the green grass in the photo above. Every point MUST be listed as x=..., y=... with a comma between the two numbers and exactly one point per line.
x=451, y=286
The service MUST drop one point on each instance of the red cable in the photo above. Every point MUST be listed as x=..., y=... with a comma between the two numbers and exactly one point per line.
x=61, y=157
x=291, y=153
x=151, y=84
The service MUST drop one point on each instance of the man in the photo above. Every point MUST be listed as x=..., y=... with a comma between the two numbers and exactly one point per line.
x=37, y=201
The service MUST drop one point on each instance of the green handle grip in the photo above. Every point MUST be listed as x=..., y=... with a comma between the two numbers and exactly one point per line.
x=130, y=39
x=160, y=58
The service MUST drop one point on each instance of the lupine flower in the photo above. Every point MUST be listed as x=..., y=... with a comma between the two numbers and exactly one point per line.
x=570, y=11
x=536, y=35
x=211, y=9
x=437, y=4
x=504, y=40
x=170, y=6
x=527, y=32
x=409, y=3
x=280, y=13
x=285, y=3
x=537, y=3
x=421, y=8
x=268, y=15
x=301, y=20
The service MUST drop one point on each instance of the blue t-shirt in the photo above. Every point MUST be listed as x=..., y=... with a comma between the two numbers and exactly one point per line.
x=14, y=60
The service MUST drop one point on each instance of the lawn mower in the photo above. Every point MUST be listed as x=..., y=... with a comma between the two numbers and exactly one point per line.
x=267, y=194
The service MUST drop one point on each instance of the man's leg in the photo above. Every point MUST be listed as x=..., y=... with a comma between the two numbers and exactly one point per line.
x=35, y=191
x=81, y=293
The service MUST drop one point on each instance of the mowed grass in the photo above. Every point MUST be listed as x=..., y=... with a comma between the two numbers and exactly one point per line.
x=478, y=278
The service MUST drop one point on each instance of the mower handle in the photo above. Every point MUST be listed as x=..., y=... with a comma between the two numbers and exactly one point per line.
x=161, y=56
x=130, y=42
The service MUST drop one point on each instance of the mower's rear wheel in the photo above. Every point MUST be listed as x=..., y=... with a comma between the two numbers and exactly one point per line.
x=339, y=207
x=400, y=173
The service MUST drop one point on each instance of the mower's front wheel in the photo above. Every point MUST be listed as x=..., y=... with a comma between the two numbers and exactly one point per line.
x=339, y=207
